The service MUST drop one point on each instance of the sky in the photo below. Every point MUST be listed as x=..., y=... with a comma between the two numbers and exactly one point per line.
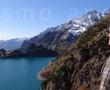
x=28, y=18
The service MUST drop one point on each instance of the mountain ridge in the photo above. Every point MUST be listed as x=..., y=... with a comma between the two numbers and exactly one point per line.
x=60, y=37
x=11, y=44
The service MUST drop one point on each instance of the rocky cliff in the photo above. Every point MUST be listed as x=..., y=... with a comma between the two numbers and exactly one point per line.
x=82, y=64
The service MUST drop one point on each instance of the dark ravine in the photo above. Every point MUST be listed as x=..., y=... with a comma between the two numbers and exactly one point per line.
x=83, y=63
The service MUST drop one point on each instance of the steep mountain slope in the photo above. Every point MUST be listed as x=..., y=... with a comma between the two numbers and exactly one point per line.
x=83, y=63
x=11, y=44
x=107, y=12
x=60, y=37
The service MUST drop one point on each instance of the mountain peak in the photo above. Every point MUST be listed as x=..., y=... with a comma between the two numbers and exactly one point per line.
x=92, y=12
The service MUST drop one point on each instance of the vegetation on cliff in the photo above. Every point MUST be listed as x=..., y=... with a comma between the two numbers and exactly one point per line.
x=82, y=64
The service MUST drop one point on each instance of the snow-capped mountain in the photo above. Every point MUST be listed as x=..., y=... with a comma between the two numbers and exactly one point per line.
x=80, y=24
x=63, y=35
x=11, y=44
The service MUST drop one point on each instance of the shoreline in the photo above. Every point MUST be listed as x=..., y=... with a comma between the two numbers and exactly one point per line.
x=40, y=77
x=44, y=74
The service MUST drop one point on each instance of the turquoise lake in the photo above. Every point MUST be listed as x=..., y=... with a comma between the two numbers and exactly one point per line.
x=21, y=73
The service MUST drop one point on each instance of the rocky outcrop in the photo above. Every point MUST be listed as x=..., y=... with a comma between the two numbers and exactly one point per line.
x=83, y=63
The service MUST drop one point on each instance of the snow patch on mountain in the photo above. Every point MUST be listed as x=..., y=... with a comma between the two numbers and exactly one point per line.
x=66, y=31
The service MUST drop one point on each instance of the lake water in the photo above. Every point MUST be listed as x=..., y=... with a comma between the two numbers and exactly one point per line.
x=21, y=73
